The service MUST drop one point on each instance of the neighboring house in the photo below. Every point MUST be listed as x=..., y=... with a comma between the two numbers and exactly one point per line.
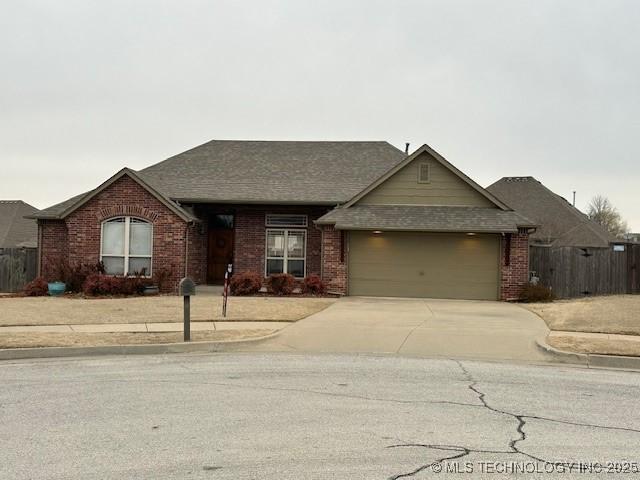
x=18, y=243
x=560, y=223
x=632, y=237
x=365, y=216
x=15, y=230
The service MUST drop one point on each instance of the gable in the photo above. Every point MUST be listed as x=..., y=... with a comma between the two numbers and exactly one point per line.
x=62, y=210
x=443, y=188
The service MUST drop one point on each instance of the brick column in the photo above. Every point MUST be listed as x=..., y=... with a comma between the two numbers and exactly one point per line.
x=334, y=260
x=514, y=263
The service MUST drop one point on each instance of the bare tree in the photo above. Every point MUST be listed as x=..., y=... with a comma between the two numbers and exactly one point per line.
x=603, y=212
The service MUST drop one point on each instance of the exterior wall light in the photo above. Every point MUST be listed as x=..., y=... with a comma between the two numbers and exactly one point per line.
x=471, y=234
x=377, y=232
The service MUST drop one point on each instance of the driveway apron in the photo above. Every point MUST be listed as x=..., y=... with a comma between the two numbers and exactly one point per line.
x=417, y=327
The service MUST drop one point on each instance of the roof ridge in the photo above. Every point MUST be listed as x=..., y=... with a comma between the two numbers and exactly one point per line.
x=209, y=142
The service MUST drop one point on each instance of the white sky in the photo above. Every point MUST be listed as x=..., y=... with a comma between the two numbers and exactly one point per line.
x=543, y=88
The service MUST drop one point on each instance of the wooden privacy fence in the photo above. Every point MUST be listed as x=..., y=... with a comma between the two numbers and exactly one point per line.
x=18, y=266
x=575, y=272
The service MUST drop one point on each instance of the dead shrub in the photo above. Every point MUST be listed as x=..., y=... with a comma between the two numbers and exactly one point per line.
x=313, y=285
x=37, y=287
x=537, y=293
x=245, y=283
x=282, y=283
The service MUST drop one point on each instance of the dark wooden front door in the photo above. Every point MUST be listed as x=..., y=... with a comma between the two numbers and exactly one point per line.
x=220, y=254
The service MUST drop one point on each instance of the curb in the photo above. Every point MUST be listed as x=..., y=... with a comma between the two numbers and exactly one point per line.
x=588, y=359
x=145, y=349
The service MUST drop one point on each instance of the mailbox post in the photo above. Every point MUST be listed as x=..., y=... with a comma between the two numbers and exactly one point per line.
x=225, y=289
x=186, y=289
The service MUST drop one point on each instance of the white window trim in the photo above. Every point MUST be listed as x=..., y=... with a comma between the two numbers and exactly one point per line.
x=286, y=257
x=126, y=256
x=280, y=215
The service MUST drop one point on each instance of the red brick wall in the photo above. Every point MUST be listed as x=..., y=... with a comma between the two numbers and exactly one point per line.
x=123, y=197
x=250, y=230
x=197, y=252
x=53, y=247
x=514, y=265
x=334, y=254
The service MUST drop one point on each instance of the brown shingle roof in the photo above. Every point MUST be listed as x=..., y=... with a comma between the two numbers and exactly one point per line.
x=561, y=224
x=425, y=219
x=272, y=171
x=15, y=230
x=238, y=171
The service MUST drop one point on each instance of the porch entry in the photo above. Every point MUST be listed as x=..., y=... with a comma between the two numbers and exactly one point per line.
x=220, y=247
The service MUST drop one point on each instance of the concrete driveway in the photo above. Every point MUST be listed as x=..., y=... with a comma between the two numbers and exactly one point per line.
x=417, y=327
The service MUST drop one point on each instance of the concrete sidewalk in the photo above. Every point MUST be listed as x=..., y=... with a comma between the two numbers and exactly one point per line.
x=418, y=327
x=144, y=327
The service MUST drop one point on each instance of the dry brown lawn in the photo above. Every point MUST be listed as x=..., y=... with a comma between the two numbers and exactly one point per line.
x=598, y=343
x=76, y=310
x=28, y=340
x=611, y=314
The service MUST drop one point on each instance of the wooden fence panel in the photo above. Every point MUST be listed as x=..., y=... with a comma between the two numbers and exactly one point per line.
x=18, y=266
x=633, y=267
x=573, y=272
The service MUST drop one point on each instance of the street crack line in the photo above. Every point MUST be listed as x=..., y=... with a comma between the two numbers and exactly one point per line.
x=514, y=449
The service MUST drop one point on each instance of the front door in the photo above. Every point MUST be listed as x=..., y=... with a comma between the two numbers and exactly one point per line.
x=220, y=252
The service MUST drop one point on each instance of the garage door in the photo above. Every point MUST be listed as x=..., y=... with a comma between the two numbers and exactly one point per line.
x=435, y=265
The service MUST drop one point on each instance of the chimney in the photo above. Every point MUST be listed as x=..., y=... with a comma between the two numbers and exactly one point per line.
x=406, y=148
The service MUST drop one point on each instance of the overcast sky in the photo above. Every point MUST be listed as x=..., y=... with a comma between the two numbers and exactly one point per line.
x=500, y=88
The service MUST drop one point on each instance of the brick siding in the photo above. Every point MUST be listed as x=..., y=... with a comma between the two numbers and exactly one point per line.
x=53, y=247
x=514, y=261
x=334, y=255
x=250, y=237
x=76, y=239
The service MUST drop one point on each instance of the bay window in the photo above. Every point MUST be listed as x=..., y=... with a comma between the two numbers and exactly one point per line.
x=126, y=246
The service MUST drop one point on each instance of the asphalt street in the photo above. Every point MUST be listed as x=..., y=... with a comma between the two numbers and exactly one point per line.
x=325, y=416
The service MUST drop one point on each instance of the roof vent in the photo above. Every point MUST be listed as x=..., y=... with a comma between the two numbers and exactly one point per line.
x=406, y=148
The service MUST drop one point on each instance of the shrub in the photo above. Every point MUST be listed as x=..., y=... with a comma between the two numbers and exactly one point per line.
x=161, y=276
x=247, y=283
x=314, y=285
x=282, y=283
x=98, y=284
x=132, y=285
x=74, y=276
x=536, y=293
x=36, y=288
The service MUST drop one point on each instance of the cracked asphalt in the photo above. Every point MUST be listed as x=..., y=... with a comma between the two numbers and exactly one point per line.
x=327, y=416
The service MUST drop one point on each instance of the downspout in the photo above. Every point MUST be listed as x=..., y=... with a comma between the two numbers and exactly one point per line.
x=315, y=225
x=186, y=248
x=39, y=266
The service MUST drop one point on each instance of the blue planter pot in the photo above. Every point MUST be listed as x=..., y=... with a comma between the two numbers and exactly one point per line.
x=56, y=288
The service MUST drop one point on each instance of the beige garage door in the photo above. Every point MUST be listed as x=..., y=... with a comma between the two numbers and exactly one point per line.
x=435, y=265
